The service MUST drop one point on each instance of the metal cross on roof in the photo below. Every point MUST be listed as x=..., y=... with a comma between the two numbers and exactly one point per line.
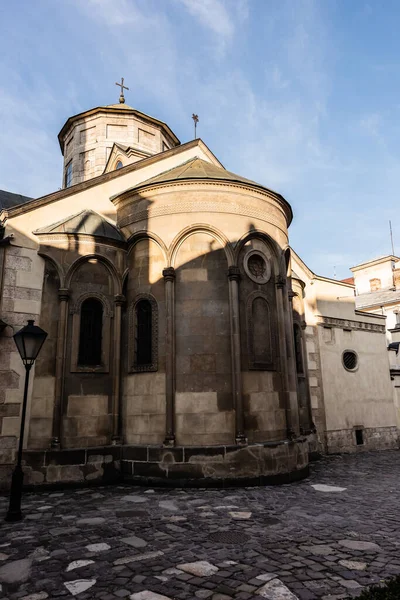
x=123, y=87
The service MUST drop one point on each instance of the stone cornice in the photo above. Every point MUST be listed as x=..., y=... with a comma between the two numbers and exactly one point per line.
x=349, y=324
x=179, y=207
x=116, y=110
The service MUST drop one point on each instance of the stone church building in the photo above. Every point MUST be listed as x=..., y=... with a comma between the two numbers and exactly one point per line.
x=187, y=342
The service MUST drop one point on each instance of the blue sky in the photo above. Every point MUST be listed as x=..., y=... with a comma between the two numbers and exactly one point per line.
x=300, y=95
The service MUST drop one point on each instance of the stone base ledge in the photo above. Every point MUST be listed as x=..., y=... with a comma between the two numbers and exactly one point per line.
x=341, y=441
x=255, y=464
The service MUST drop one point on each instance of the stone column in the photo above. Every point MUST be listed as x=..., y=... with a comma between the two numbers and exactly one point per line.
x=234, y=277
x=119, y=301
x=281, y=290
x=169, y=279
x=294, y=403
x=63, y=295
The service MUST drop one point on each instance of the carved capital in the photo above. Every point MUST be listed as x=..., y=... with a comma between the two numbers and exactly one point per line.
x=63, y=294
x=119, y=300
x=291, y=295
x=280, y=281
x=233, y=273
x=169, y=274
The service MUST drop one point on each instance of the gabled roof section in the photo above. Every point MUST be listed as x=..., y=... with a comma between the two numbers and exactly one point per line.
x=128, y=152
x=87, y=222
x=197, y=168
x=35, y=203
x=114, y=109
x=9, y=200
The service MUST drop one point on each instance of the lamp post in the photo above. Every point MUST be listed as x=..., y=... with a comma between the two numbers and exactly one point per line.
x=29, y=341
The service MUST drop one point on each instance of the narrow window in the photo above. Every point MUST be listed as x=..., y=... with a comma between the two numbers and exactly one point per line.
x=143, y=337
x=90, y=337
x=298, y=347
x=68, y=175
x=359, y=437
x=119, y=165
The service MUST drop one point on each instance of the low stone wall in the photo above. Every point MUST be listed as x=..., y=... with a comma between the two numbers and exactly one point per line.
x=271, y=463
x=374, y=438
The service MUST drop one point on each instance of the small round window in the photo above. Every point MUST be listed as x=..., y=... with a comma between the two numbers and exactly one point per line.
x=350, y=360
x=257, y=266
x=119, y=165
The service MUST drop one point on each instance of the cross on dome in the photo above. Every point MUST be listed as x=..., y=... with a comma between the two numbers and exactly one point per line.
x=123, y=87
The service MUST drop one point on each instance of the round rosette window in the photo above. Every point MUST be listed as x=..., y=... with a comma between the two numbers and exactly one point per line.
x=257, y=266
x=350, y=360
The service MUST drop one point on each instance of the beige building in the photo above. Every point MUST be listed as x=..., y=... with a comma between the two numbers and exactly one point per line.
x=187, y=342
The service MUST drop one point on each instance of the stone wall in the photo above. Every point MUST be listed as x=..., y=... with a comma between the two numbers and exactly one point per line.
x=204, y=403
x=21, y=300
x=143, y=393
x=273, y=463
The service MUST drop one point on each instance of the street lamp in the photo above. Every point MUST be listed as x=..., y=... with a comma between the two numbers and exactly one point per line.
x=29, y=341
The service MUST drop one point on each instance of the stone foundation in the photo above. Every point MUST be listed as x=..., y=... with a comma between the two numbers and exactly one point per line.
x=272, y=463
x=374, y=438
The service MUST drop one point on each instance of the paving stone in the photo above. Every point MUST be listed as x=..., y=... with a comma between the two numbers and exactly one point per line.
x=147, y=595
x=360, y=545
x=353, y=565
x=321, y=487
x=78, y=564
x=38, y=596
x=134, y=541
x=91, y=521
x=100, y=547
x=200, y=568
x=320, y=549
x=168, y=505
x=297, y=552
x=135, y=499
x=145, y=556
x=79, y=585
x=266, y=576
x=240, y=515
x=276, y=590
x=16, y=571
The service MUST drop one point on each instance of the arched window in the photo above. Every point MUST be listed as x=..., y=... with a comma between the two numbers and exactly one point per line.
x=143, y=337
x=143, y=347
x=119, y=165
x=298, y=348
x=90, y=334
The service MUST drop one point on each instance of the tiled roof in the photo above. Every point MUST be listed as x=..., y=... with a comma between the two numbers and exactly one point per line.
x=196, y=168
x=87, y=222
x=378, y=298
x=348, y=280
x=9, y=200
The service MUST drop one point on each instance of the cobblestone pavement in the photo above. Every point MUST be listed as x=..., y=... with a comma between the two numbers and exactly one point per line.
x=279, y=543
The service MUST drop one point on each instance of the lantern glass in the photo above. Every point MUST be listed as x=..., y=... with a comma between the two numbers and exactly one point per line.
x=29, y=341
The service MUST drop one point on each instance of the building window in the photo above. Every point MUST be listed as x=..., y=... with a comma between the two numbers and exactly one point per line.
x=68, y=175
x=144, y=334
x=90, y=335
x=143, y=354
x=119, y=165
x=350, y=360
